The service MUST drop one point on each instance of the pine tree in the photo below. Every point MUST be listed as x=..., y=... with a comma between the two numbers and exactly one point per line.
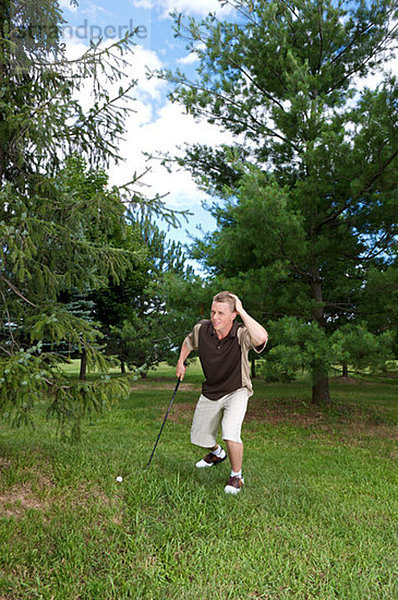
x=309, y=187
x=61, y=226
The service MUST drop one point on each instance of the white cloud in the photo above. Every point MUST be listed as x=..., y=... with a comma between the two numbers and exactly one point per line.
x=148, y=89
x=200, y=7
x=166, y=131
x=142, y=60
x=94, y=11
x=171, y=128
x=156, y=125
x=372, y=80
x=71, y=5
x=188, y=60
x=148, y=4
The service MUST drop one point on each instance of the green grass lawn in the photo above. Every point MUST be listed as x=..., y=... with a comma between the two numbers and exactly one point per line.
x=317, y=518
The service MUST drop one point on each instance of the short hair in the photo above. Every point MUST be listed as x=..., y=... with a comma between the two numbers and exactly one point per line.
x=226, y=297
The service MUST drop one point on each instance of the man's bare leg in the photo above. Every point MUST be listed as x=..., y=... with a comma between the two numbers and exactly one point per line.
x=235, y=454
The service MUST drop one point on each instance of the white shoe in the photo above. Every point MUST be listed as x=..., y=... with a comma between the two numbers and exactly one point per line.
x=234, y=485
x=211, y=459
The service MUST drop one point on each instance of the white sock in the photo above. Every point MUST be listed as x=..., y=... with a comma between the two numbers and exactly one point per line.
x=237, y=474
x=217, y=451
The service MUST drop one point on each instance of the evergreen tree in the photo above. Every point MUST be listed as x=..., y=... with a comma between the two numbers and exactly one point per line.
x=309, y=186
x=61, y=228
x=138, y=316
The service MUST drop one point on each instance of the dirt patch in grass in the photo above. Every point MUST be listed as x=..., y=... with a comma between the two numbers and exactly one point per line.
x=4, y=464
x=380, y=431
x=181, y=412
x=284, y=412
x=41, y=480
x=184, y=387
x=87, y=496
x=25, y=495
x=14, y=502
x=341, y=379
x=297, y=413
x=324, y=419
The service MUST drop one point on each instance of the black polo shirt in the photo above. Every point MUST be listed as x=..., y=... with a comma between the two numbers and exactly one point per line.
x=224, y=362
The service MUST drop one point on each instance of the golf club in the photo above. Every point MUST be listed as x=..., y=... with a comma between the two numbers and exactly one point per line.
x=164, y=420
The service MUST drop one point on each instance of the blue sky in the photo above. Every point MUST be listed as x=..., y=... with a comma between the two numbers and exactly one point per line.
x=157, y=125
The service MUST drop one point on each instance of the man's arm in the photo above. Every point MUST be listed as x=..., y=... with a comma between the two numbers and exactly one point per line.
x=181, y=368
x=258, y=334
x=191, y=343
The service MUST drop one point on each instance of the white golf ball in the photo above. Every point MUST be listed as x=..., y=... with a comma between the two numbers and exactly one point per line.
x=119, y=478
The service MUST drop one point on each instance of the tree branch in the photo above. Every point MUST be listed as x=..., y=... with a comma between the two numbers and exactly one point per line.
x=238, y=106
x=357, y=68
x=14, y=289
x=365, y=188
x=256, y=85
x=8, y=319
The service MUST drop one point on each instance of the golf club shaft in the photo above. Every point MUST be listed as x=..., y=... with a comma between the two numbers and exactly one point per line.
x=164, y=421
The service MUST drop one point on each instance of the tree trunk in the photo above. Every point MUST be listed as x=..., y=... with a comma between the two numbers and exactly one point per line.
x=345, y=369
x=320, y=384
x=83, y=365
x=123, y=367
x=320, y=377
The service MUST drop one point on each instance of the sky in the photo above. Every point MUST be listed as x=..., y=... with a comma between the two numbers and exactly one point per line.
x=156, y=124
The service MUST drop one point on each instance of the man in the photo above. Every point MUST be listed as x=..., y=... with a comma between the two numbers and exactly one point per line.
x=223, y=346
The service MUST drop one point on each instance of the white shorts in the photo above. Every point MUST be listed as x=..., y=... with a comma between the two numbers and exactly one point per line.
x=229, y=411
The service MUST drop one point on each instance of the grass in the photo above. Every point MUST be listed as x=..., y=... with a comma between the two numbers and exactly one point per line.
x=316, y=520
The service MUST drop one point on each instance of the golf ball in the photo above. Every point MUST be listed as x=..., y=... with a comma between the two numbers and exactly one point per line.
x=119, y=478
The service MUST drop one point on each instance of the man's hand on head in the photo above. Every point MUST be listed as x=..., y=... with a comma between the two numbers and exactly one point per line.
x=238, y=305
